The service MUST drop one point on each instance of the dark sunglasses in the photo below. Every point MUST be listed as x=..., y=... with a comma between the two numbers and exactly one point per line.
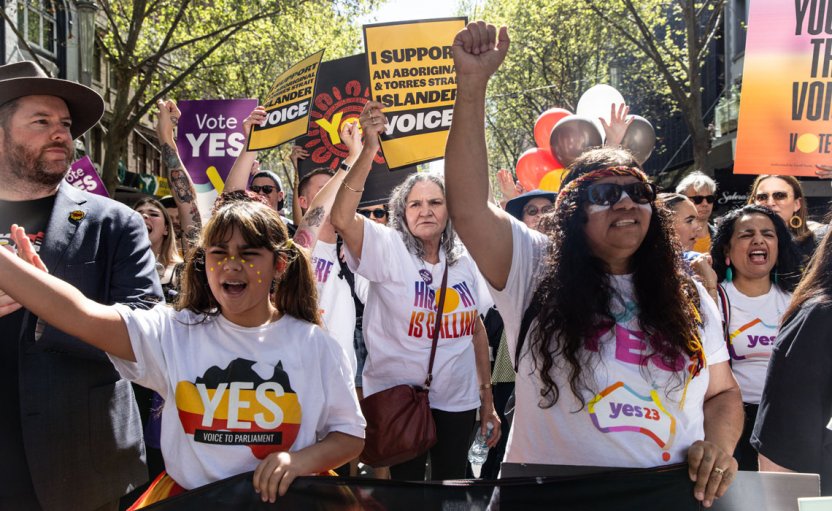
x=697, y=199
x=376, y=213
x=267, y=189
x=534, y=210
x=607, y=194
x=777, y=196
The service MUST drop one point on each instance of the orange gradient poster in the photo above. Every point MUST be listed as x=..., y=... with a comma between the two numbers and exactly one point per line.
x=784, y=124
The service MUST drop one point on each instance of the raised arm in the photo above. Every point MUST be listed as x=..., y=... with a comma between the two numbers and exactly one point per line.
x=238, y=176
x=60, y=304
x=348, y=223
x=181, y=185
x=321, y=205
x=298, y=153
x=483, y=228
x=617, y=127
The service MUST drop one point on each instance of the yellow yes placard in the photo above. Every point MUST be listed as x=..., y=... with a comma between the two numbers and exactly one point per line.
x=287, y=105
x=412, y=72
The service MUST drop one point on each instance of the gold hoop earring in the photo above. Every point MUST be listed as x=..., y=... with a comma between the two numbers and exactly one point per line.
x=795, y=222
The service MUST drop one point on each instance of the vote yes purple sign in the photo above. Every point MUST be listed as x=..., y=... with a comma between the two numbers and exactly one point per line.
x=82, y=175
x=210, y=137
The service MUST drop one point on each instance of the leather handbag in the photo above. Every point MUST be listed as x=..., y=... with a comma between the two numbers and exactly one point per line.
x=400, y=425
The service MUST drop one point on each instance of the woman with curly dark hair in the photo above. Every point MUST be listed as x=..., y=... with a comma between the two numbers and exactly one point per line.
x=623, y=364
x=791, y=432
x=784, y=195
x=757, y=264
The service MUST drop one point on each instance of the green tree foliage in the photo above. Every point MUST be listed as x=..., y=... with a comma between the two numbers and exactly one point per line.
x=558, y=51
x=192, y=49
x=675, y=35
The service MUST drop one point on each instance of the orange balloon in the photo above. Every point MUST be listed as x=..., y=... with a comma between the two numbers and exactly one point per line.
x=533, y=165
x=552, y=180
x=544, y=124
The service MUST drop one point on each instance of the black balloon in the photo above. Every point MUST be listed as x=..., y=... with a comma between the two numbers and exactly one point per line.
x=571, y=136
x=640, y=139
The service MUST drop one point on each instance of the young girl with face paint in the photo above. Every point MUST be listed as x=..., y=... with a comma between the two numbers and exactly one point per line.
x=249, y=384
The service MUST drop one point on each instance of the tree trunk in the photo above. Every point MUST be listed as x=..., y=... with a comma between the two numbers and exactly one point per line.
x=120, y=128
x=116, y=144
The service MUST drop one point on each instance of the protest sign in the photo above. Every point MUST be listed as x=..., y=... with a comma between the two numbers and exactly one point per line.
x=343, y=89
x=784, y=123
x=82, y=175
x=210, y=137
x=412, y=72
x=287, y=105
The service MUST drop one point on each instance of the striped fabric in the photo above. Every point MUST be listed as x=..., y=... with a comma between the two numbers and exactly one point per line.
x=161, y=488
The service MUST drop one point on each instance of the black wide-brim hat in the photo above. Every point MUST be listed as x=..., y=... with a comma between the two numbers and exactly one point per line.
x=26, y=79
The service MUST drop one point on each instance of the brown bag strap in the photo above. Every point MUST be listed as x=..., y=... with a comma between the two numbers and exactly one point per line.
x=436, y=327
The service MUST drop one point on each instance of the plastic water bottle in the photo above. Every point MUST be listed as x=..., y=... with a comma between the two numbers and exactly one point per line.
x=479, y=449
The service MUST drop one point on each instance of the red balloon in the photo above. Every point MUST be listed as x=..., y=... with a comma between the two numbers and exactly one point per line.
x=544, y=124
x=533, y=165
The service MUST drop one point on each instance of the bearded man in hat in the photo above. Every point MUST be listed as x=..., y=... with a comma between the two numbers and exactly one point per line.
x=70, y=432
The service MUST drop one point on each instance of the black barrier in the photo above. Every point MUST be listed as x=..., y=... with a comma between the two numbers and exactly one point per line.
x=637, y=489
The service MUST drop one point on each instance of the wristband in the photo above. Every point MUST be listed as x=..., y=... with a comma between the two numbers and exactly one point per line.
x=485, y=386
x=345, y=166
x=350, y=188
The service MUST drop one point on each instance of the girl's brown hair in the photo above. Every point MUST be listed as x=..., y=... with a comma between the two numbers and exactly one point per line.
x=261, y=227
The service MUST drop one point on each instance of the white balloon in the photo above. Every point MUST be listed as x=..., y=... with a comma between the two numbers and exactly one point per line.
x=596, y=102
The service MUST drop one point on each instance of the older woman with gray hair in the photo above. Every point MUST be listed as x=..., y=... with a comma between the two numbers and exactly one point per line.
x=701, y=190
x=404, y=264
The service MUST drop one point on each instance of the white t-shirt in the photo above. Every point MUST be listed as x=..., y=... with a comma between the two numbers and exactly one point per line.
x=334, y=299
x=632, y=419
x=753, y=332
x=399, y=320
x=233, y=394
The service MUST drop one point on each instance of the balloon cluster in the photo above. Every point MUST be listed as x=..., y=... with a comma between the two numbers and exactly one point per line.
x=562, y=136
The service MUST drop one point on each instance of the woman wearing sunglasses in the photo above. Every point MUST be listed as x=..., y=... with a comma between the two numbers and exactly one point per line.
x=620, y=342
x=701, y=190
x=757, y=265
x=377, y=214
x=784, y=196
x=530, y=207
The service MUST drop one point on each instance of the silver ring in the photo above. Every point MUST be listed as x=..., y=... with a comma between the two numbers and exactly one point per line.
x=720, y=471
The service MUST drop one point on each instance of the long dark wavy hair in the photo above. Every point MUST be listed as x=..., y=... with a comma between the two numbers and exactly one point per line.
x=787, y=269
x=817, y=281
x=574, y=294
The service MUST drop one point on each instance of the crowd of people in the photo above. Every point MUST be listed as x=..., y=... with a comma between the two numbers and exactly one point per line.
x=604, y=326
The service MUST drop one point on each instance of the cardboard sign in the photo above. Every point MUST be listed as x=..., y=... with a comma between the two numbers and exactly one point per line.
x=82, y=175
x=785, y=124
x=287, y=105
x=209, y=138
x=412, y=72
x=343, y=90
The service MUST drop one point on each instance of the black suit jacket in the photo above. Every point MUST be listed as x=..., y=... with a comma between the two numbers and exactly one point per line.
x=81, y=426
